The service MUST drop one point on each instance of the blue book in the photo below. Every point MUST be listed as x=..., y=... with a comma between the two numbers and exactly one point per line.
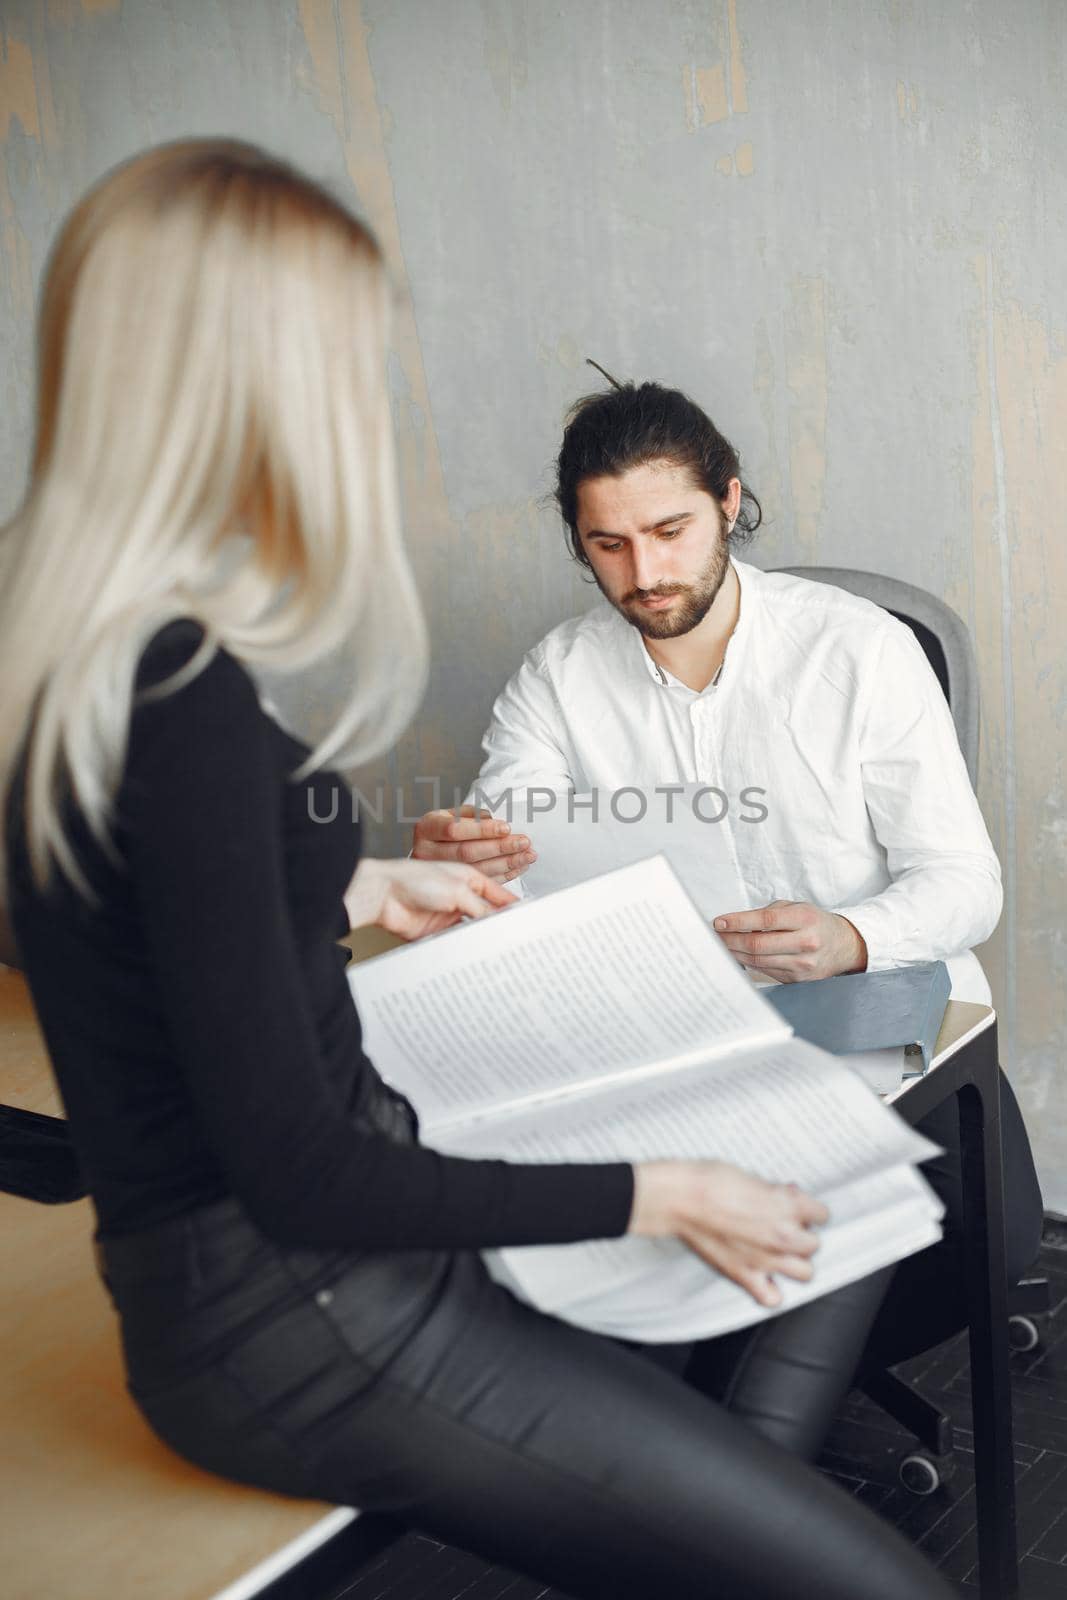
x=868, y=1010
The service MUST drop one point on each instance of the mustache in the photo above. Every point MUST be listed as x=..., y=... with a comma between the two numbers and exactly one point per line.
x=660, y=589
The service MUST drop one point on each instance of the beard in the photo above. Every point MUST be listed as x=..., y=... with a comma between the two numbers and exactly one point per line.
x=694, y=603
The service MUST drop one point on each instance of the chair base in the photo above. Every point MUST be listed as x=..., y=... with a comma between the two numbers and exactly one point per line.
x=922, y=1474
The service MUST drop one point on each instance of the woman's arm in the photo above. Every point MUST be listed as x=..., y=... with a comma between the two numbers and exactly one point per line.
x=415, y=898
x=204, y=824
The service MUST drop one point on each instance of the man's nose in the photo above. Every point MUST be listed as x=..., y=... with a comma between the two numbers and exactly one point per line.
x=644, y=567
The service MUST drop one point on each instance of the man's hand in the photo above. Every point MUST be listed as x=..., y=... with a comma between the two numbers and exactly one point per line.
x=793, y=941
x=414, y=898
x=476, y=838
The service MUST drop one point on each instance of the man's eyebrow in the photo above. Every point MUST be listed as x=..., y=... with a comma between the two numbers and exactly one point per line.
x=664, y=522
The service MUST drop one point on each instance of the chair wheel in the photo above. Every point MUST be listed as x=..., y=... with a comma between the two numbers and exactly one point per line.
x=1023, y=1333
x=919, y=1474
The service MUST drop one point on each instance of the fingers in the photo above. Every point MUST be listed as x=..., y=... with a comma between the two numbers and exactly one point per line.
x=454, y=830
x=779, y=1227
x=755, y=1280
x=808, y=1210
x=763, y=1289
x=479, y=851
x=468, y=891
x=796, y=1241
x=471, y=904
x=798, y=1267
x=482, y=842
x=795, y=1263
x=499, y=859
x=778, y=916
x=795, y=1213
x=749, y=1229
x=793, y=942
x=492, y=891
x=790, y=971
x=444, y=827
x=754, y=1271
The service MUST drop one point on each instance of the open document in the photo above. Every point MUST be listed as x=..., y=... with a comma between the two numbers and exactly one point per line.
x=607, y=1022
x=581, y=835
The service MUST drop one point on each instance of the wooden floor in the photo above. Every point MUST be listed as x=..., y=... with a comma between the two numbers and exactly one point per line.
x=862, y=1454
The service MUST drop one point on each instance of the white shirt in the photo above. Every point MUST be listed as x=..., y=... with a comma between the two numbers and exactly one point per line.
x=826, y=703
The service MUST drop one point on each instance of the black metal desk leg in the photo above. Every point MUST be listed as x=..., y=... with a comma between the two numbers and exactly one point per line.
x=987, y=1299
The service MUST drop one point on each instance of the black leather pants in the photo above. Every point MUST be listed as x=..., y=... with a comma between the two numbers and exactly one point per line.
x=411, y=1382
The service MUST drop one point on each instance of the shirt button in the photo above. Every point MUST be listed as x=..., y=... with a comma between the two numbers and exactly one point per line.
x=324, y=1297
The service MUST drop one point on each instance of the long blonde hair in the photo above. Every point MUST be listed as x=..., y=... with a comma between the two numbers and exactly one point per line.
x=213, y=440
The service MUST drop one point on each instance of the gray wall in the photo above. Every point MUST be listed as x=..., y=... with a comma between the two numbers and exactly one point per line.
x=841, y=226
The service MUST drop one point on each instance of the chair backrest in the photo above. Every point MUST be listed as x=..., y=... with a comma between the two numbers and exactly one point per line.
x=942, y=634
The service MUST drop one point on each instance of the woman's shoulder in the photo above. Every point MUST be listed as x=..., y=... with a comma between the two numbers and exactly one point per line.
x=218, y=694
x=172, y=648
x=168, y=650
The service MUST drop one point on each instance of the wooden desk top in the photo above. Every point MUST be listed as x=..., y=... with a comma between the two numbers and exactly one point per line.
x=962, y=1019
x=94, y=1506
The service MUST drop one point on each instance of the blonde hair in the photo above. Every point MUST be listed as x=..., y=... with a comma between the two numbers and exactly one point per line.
x=213, y=440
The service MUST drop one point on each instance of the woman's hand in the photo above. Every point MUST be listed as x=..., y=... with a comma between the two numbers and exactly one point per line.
x=744, y=1227
x=414, y=898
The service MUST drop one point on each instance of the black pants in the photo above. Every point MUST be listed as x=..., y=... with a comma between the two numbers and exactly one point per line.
x=413, y=1383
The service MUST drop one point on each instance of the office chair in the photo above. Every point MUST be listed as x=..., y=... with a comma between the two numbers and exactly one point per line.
x=947, y=646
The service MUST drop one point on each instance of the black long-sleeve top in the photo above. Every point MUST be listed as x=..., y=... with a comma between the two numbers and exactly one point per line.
x=199, y=1021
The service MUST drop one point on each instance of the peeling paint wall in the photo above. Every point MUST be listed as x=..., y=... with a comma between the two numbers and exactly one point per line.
x=842, y=228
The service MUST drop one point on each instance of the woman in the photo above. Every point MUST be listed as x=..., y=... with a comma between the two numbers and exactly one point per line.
x=302, y=1301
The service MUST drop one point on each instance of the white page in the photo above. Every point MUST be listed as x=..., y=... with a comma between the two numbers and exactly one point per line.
x=723, y=1306
x=855, y=1203
x=790, y=1113
x=674, y=1295
x=606, y=978
x=900, y=1193
x=881, y=1070
x=574, y=842
x=678, y=1296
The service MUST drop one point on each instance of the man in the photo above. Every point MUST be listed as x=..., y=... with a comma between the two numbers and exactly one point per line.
x=699, y=668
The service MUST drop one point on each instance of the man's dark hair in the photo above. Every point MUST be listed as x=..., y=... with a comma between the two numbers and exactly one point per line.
x=629, y=425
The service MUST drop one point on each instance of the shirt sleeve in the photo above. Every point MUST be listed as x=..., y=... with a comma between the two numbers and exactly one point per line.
x=946, y=891
x=523, y=749
x=207, y=863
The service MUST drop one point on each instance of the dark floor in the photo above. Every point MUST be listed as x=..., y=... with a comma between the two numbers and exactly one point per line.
x=862, y=1454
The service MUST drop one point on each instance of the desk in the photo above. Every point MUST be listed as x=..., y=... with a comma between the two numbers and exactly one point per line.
x=94, y=1505
x=965, y=1063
